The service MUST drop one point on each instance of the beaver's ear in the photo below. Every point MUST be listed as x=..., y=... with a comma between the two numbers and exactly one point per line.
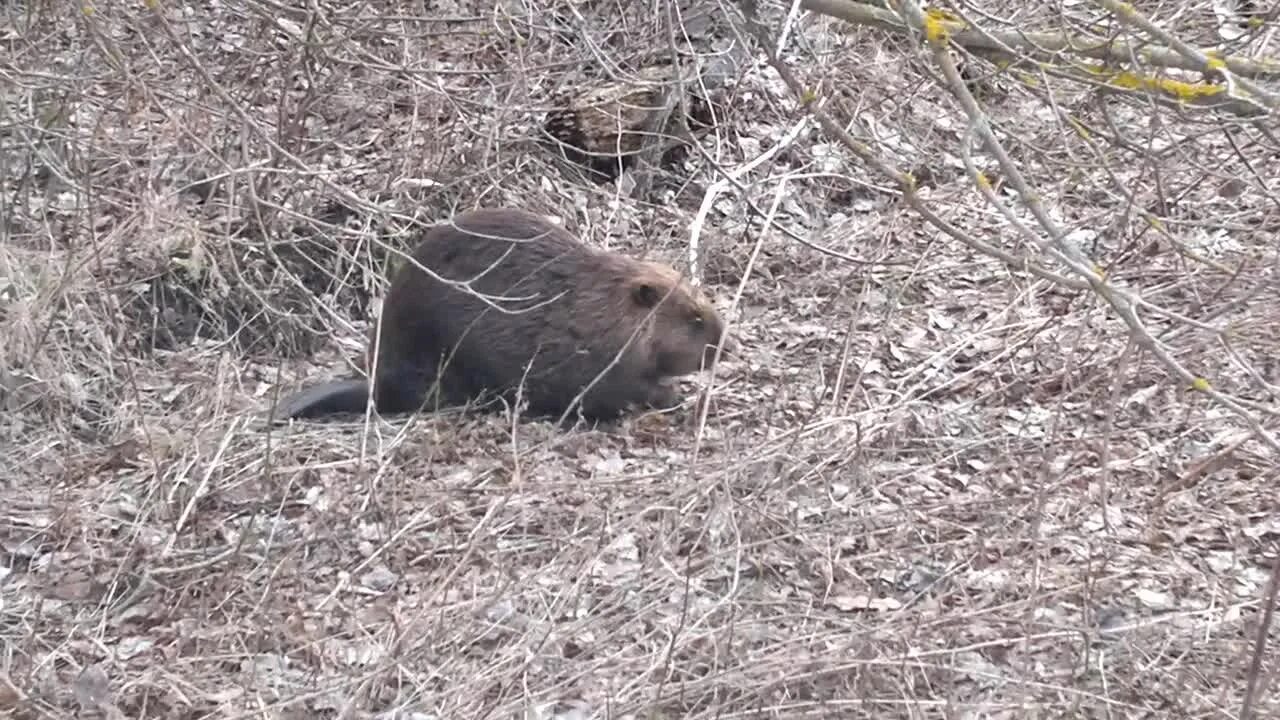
x=645, y=294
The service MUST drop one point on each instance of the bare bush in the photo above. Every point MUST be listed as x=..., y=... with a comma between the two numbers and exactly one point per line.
x=1000, y=441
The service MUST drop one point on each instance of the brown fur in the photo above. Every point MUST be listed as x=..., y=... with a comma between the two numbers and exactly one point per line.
x=603, y=128
x=581, y=306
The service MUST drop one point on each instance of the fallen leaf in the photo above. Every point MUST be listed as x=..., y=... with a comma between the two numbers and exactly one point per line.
x=850, y=603
x=1155, y=599
x=92, y=688
x=10, y=696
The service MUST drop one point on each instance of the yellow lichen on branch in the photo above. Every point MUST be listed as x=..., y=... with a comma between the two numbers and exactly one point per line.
x=1029, y=45
x=1184, y=91
x=939, y=24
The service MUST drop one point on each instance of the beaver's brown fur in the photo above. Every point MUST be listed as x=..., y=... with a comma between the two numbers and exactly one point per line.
x=570, y=309
x=604, y=128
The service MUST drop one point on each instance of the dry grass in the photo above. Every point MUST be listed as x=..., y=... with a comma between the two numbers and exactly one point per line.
x=932, y=487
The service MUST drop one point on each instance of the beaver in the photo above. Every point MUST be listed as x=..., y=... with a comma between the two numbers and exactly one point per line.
x=557, y=324
x=603, y=129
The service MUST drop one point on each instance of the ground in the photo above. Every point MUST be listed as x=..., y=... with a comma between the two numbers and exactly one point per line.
x=929, y=484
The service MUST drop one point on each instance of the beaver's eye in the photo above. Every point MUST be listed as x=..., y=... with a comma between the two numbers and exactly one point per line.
x=697, y=320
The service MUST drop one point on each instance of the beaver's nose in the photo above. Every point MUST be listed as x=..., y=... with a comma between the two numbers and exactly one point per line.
x=727, y=349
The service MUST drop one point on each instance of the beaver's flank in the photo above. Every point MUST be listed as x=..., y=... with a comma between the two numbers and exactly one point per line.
x=562, y=326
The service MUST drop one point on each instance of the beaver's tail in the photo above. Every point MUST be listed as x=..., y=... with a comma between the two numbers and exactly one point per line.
x=349, y=395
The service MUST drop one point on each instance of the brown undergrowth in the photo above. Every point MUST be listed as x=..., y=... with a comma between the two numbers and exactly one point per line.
x=930, y=486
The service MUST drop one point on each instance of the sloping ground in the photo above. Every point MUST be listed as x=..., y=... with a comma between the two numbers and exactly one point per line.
x=930, y=487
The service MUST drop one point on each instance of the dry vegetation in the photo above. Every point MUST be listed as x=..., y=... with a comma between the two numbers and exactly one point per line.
x=932, y=486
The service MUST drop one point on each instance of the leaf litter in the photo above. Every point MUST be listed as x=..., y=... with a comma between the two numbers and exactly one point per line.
x=928, y=478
